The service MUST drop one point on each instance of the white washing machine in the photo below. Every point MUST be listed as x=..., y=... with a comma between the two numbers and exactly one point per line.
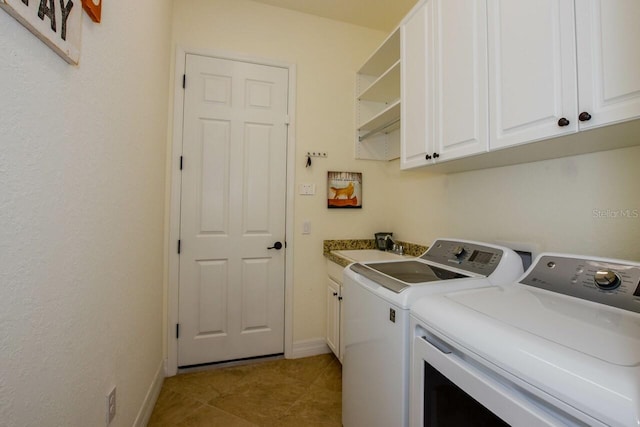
x=559, y=347
x=377, y=297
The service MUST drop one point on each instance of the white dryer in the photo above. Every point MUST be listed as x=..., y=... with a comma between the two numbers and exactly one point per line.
x=559, y=347
x=377, y=297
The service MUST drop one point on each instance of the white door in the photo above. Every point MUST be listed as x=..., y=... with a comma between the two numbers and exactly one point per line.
x=532, y=70
x=462, y=124
x=608, y=35
x=231, y=292
x=416, y=86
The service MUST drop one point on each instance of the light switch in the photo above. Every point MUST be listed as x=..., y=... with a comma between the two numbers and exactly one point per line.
x=306, y=227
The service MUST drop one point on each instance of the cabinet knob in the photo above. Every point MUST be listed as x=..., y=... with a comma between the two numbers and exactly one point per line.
x=584, y=116
x=436, y=155
x=428, y=157
x=563, y=122
x=339, y=298
x=335, y=294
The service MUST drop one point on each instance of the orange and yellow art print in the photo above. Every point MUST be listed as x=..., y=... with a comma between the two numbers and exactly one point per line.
x=344, y=190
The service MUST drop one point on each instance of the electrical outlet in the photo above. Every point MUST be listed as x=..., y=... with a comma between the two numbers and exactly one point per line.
x=306, y=227
x=111, y=405
x=307, y=189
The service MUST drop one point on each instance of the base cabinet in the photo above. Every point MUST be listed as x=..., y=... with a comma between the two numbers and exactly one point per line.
x=333, y=315
x=334, y=308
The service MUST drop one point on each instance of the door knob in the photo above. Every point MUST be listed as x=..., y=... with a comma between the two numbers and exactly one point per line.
x=276, y=245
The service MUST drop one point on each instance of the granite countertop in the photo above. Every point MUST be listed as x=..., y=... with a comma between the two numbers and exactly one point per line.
x=410, y=249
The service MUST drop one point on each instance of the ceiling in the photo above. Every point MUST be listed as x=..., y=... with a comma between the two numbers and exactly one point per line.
x=382, y=15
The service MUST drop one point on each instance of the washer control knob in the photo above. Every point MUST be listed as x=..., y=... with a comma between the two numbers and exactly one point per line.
x=458, y=251
x=606, y=279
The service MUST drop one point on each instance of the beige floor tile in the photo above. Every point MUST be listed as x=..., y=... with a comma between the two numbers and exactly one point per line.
x=208, y=416
x=172, y=408
x=318, y=407
x=331, y=377
x=207, y=385
x=296, y=393
x=306, y=369
x=264, y=395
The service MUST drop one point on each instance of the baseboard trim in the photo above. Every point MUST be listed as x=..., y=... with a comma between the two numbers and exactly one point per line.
x=150, y=399
x=311, y=347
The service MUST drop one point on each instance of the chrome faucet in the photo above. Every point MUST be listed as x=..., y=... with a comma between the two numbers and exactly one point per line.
x=395, y=248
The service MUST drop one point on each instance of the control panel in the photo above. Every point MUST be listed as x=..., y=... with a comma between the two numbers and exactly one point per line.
x=613, y=283
x=465, y=256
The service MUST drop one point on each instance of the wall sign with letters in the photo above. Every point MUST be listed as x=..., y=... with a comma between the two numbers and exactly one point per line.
x=58, y=23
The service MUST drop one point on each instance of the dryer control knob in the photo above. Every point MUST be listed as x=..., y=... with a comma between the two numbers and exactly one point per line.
x=606, y=279
x=458, y=251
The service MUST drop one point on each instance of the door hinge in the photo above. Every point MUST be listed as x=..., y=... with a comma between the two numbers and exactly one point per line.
x=179, y=246
x=177, y=330
x=184, y=81
x=180, y=162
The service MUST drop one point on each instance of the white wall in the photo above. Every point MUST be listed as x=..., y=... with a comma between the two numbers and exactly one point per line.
x=82, y=164
x=327, y=54
x=561, y=205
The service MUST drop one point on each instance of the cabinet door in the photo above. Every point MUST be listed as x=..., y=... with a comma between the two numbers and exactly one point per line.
x=333, y=316
x=462, y=119
x=532, y=70
x=417, y=83
x=608, y=33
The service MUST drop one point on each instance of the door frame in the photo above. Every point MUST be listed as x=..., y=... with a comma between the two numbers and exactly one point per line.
x=173, y=281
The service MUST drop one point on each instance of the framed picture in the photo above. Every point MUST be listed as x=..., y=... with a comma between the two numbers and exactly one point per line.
x=344, y=190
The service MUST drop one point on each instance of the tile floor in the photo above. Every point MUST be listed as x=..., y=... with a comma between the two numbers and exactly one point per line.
x=303, y=392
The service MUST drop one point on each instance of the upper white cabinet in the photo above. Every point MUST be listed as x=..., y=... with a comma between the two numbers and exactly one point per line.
x=481, y=75
x=560, y=66
x=608, y=40
x=462, y=114
x=532, y=70
x=418, y=79
x=378, y=103
x=444, y=82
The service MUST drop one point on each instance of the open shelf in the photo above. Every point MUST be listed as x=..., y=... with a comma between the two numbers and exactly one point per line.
x=378, y=102
x=383, y=58
x=386, y=88
x=382, y=120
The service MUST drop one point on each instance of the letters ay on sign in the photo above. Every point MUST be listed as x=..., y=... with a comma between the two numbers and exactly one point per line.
x=58, y=23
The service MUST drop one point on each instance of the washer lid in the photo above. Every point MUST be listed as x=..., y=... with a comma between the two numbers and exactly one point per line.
x=400, y=275
x=606, y=333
